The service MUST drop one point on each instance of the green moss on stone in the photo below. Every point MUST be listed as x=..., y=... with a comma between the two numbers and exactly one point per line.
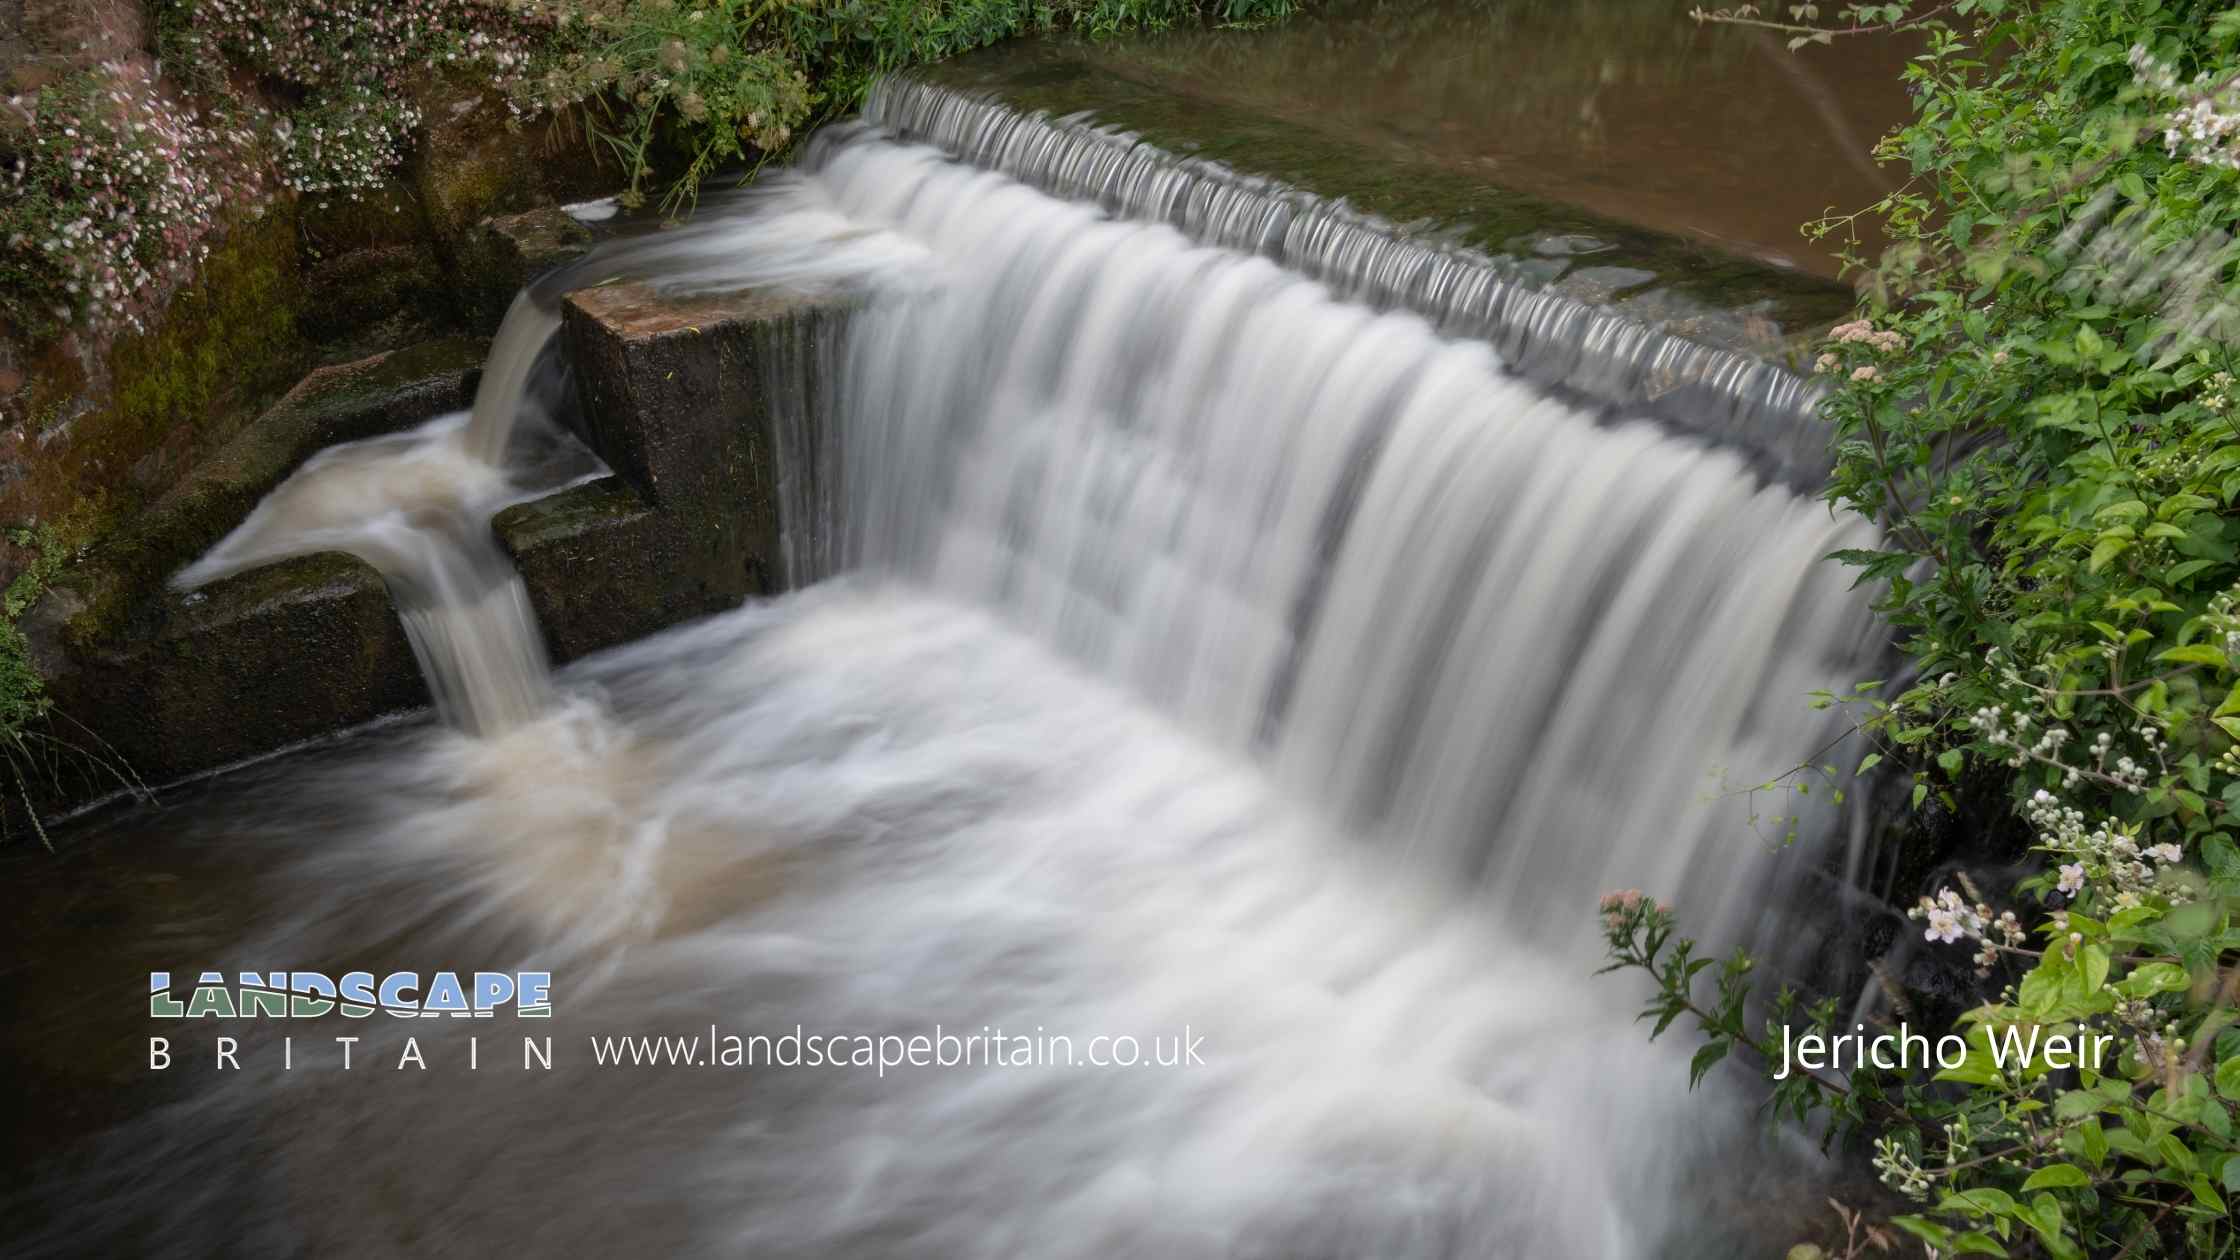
x=229, y=337
x=116, y=592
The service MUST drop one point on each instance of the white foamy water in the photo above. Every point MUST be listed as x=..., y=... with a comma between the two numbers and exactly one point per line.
x=1193, y=648
x=1523, y=643
x=864, y=810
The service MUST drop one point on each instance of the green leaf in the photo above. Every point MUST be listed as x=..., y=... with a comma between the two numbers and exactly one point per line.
x=2107, y=549
x=2177, y=573
x=2206, y=1194
x=2077, y=1102
x=2057, y=1177
x=2094, y=1139
x=1704, y=1061
x=2092, y=964
x=2228, y=1077
x=1979, y=1201
x=2148, y=979
x=1926, y=1230
x=2193, y=654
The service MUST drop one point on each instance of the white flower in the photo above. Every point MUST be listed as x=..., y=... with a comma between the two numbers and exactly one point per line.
x=2072, y=878
x=2166, y=852
x=1944, y=927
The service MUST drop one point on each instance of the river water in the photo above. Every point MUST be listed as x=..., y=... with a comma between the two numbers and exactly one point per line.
x=1187, y=653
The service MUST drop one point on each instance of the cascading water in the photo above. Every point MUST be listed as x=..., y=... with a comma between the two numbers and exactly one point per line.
x=417, y=507
x=1450, y=606
x=1195, y=649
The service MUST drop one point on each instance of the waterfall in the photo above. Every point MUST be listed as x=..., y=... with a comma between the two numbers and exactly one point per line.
x=1527, y=641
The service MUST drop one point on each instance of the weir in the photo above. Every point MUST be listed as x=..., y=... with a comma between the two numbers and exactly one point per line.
x=1210, y=607
x=1608, y=358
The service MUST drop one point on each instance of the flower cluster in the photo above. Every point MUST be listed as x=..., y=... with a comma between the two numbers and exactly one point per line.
x=2042, y=737
x=1863, y=332
x=2108, y=856
x=113, y=195
x=1899, y=1170
x=2219, y=395
x=356, y=65
x=1619, y=907
x=1859, y=332
x=1951, y=917
x=2204, y=124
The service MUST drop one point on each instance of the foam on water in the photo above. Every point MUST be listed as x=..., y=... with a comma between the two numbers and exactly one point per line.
x=1193, y=647
x=864, y=810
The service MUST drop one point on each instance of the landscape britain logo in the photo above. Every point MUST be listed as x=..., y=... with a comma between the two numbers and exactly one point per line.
x=355, y=994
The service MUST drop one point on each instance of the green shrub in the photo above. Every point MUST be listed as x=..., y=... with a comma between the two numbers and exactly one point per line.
x=32, y=754
x=2037, y=404
x=728, y=81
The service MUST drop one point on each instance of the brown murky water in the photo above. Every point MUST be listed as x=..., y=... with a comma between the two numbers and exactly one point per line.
x=1626, y=107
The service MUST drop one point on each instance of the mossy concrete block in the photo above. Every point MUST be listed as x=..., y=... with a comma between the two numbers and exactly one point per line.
x=387, y=215
x=180, y=682
x=279, y=654
x=366, y=287
x=677, y=399
x=604, y=568
x=469, y=164
x=96, y=429
x=498, y=257
x=343, y=403
x=475, y=160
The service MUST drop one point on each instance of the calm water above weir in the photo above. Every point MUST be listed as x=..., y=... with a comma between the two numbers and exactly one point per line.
x=1266, y=641
x=1626, y=108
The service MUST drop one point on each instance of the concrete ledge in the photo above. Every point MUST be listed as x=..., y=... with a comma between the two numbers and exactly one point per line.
x=177, y=683
x=679, y=399
x=280, y=654
x=602, y=568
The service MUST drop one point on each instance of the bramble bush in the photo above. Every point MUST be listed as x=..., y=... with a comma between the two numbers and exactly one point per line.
x=2038, y=406
x=117, y=183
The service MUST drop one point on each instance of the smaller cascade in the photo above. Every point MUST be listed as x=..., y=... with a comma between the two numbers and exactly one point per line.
x=528, y=328
x=417, y=506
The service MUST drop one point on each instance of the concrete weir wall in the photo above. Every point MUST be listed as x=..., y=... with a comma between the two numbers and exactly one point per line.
x=676, y=397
